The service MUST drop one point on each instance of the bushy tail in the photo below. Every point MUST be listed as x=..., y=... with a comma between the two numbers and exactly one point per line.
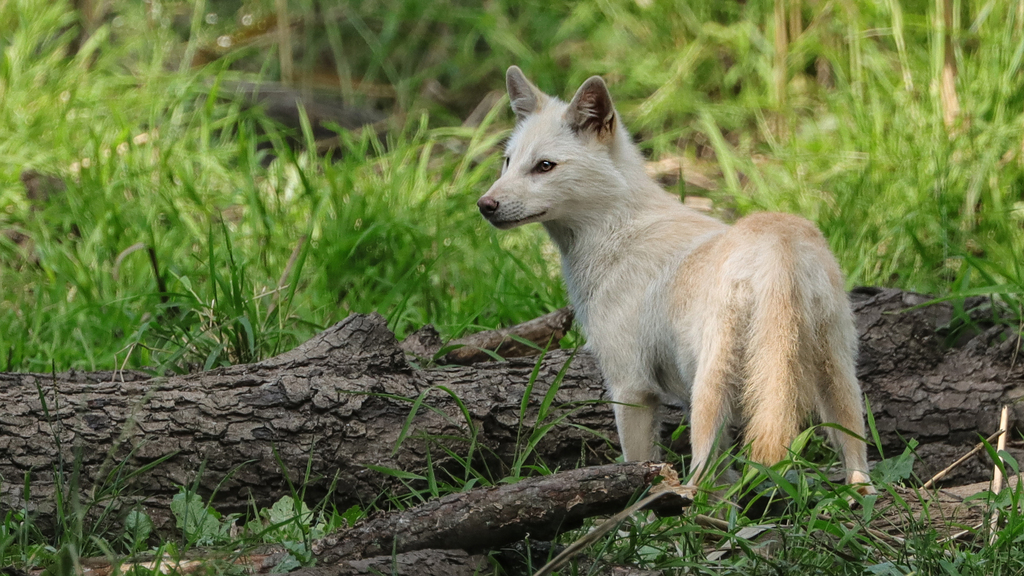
x=775, y=396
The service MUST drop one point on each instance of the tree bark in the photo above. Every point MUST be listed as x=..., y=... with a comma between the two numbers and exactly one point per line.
x=419, y=563
x=342, y=401
x=945, y=397
x=337, y=403
x=486, y=518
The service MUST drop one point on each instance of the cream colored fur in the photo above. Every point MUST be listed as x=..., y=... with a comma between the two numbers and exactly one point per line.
x=748, y=322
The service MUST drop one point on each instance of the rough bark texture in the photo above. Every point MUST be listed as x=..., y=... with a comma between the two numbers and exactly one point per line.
x=418, y=563
x=918, y=388
x=487, y=518
x=338, y=403
x=436, y=563
x=342, y=401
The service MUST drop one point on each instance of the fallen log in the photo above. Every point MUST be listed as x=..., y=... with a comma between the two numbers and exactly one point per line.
x=343, y=401
x=338, y=403
x=418, y=563
x=486, y=518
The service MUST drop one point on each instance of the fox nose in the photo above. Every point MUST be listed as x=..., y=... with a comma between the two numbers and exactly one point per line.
x=488, y=206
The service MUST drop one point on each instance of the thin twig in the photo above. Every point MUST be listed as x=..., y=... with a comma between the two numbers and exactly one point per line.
x=710, y=522
x=594, y=535
x=116, y=272
x=877, y=533
x=120, y=371
x=961, y=534
x=977, y=448
x=669, y=485
x=997, y=474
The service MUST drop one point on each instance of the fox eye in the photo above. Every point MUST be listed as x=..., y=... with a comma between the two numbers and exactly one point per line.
x=505, y=165
x=544, y=166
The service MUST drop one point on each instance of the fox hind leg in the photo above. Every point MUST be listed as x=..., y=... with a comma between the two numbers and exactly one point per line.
x=839, y=400
x=711, y=398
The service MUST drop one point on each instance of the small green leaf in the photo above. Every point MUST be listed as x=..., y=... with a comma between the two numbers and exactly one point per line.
x=353, y=515
x=895, y=469
x=137, y=528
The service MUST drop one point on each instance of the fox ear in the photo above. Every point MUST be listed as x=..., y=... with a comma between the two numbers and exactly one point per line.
x=522, y=94
x=591, y=109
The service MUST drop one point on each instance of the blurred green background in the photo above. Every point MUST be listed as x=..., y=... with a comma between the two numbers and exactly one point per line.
x=164, y=202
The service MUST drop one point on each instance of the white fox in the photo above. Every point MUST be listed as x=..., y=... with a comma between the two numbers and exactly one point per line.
x=747, y=321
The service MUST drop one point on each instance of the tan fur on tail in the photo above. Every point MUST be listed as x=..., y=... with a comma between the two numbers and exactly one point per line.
x=747, y=323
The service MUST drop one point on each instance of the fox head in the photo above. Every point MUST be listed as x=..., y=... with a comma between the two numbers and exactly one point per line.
x=564, y=162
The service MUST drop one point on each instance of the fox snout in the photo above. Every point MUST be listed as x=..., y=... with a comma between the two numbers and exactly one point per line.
x=509, y=212
x=488, y=206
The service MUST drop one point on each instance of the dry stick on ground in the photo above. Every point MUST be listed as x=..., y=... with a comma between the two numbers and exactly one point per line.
x=485, y=518
x=543, y=332
x=958, y=535
x=997, y=473
x=977, y=448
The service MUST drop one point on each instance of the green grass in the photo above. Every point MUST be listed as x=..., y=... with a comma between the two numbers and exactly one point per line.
x=193, y=234
x=155, y=153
